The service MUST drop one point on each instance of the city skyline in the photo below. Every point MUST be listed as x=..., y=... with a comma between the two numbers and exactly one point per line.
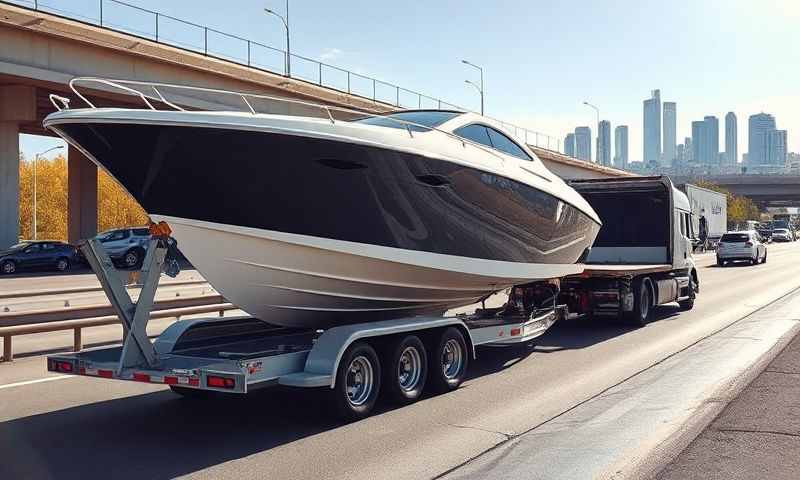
x=550, y=104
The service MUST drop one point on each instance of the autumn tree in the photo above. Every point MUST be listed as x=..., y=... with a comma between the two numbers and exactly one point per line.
x=116, y=208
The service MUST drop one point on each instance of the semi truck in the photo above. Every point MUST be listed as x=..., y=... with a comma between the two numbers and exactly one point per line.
x=642, y=256
x=709, y=212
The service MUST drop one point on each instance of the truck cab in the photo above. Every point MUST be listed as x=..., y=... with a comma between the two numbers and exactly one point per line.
x=642, y=256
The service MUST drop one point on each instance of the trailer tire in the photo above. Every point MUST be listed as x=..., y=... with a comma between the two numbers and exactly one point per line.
x=449, y=361
x=406, y=370
x=358, y=382
x=642, y=304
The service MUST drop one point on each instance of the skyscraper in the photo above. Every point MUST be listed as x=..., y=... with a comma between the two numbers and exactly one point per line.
x=652, y=128
x=776, y=147
x=621, y=147
x=759, y=126
x=699, y=141
x=670, y=133
x=569, y=145
x=711, y=156
x=731, y=137
x=583, y=143
x=604, y=143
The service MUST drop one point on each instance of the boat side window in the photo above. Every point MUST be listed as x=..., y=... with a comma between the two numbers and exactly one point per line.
x=504, y=144
x=476, y=133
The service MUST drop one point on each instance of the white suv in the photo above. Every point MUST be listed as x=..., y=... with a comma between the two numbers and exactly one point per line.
x=747, y=245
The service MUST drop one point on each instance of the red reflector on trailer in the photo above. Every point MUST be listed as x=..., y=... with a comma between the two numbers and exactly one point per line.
x=515, y=331
x=171, y=380
x=82, y=371
x=59, y=366
x=220, y=382
x=194, y=382
x=141, y=377
x=105, y=373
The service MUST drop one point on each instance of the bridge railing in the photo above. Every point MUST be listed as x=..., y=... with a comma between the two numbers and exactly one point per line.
x=148, y=24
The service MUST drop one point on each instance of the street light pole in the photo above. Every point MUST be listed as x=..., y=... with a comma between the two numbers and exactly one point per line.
x=597, y=143
x=35, y=161
x=480, y=89
x=285, y=21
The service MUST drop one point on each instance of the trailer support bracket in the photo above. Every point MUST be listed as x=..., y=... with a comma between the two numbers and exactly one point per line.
x=137, y=350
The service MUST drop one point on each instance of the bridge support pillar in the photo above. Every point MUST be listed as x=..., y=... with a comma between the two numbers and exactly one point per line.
x=9, y=184
x=81, y=196
x=17, y=104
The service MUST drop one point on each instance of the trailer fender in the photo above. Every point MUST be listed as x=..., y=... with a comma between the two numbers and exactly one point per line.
x=323, y=359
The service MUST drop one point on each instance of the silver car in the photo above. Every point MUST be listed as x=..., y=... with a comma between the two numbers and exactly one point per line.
x=126, y=246
x=782, y=235
x=747, y=245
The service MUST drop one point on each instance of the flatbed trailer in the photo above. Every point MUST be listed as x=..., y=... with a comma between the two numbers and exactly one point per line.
x=643, y=253
x=236, y=355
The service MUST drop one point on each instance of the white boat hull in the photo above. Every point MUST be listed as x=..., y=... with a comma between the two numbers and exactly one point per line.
x=302, y=281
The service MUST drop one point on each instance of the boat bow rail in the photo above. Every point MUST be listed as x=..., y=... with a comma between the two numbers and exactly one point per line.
x=153, y=94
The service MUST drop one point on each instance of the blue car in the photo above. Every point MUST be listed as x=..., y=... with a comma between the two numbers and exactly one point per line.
x=37, y=254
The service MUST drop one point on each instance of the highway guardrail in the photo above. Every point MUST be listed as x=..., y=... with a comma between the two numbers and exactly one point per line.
x=86, y=289
x=78, y=318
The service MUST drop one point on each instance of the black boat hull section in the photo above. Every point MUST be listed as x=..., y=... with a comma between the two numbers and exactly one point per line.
x=336, y=190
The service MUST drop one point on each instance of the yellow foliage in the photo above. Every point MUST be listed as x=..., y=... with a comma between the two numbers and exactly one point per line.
x=115, y=207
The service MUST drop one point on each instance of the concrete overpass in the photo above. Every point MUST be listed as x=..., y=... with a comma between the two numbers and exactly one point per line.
x=766, y=190
x=42, y=52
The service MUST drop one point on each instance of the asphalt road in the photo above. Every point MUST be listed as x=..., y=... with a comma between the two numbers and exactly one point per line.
x=68, y=427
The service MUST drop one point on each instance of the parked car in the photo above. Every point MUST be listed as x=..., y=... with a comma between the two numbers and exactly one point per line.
x=782, y=235
x=126, y=246
x=747, y=245
x=35, y=254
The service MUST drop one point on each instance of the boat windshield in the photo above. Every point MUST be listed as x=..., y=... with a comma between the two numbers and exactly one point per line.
x=427, y=118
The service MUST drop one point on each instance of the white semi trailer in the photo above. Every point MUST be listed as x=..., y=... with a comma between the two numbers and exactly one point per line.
x=708, y=207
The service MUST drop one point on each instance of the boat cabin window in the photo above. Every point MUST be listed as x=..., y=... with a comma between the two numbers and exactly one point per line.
x=491, y=138
x=505, y=144
x=426, y=118
x=476, y=133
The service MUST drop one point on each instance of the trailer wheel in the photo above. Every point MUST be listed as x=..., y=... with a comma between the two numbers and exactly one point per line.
x=641, y=304
x=406, y=370
x=449, y=361
x=358, y=382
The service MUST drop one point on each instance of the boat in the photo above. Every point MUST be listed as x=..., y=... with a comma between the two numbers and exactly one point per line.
x=310, y=221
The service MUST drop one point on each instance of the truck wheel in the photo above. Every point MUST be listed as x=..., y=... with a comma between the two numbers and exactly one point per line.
x=765, y=257
x=688, y=304
x=449, y=361
x=641, y=305
x=720, y=262
x=406, y=370
x=358, y=382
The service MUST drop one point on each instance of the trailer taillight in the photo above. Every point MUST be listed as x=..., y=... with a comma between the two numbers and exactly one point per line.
x=220, y=382
x=60, y=366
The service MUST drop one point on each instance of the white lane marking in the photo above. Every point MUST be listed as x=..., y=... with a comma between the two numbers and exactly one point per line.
x=31, y=382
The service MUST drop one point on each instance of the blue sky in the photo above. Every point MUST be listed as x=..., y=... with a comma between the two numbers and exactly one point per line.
x=541, y=58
